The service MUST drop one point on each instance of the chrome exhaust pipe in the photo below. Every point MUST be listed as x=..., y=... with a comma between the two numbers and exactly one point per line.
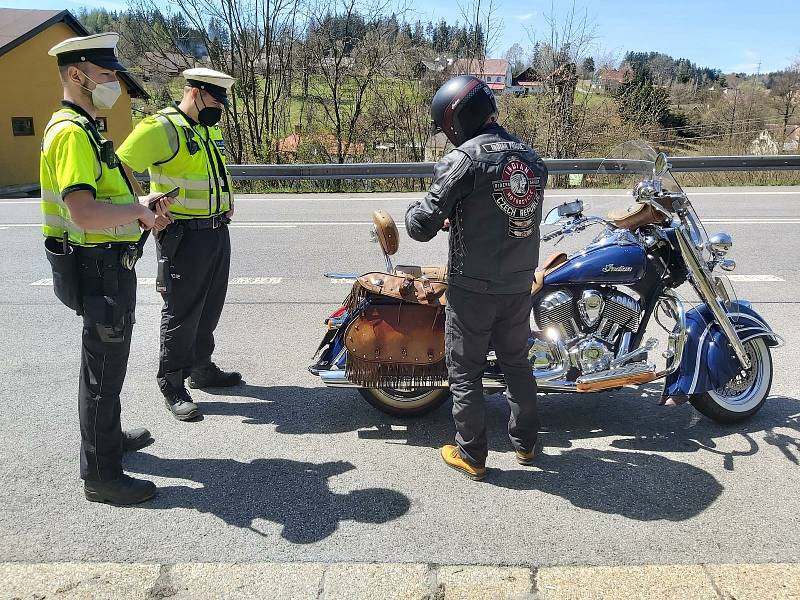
x=562, y=359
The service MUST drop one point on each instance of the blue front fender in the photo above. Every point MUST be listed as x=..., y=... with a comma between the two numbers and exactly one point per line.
x=708, y=361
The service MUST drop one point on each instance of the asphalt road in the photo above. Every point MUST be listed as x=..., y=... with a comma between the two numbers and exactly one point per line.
x=281, y=469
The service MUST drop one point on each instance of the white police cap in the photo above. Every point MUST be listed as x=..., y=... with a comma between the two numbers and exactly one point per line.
x=99, y=49
x=214, y=82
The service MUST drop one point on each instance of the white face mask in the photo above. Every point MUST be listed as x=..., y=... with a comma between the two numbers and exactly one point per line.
x=104, y=95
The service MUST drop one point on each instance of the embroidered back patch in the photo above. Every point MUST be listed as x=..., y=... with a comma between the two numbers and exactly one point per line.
x=517, y=195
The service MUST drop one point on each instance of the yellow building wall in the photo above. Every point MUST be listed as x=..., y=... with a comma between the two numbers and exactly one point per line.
x=31, y=87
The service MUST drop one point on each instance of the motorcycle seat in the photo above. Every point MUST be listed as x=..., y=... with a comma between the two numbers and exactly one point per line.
x=435, y=272
x=635, y=216
x=553, y=262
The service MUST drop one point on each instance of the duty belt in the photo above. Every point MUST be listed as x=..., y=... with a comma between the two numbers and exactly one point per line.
x=214, y=222
x=128, y=253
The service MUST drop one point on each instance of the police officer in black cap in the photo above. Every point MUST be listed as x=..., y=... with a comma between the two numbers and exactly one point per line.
x=489, y=190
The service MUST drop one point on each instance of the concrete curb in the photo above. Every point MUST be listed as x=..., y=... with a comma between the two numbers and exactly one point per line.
x=374, y=581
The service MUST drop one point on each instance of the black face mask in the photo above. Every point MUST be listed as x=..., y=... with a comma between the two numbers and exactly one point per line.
x=208, y=115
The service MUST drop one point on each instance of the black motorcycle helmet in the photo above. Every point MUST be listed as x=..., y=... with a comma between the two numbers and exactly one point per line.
x=461, y=107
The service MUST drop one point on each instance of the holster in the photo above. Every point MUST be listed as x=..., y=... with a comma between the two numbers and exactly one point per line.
x=64, y=264
x=108, y=291
x=168, y=242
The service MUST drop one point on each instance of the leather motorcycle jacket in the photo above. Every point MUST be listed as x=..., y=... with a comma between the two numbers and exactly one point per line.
x=491, y=188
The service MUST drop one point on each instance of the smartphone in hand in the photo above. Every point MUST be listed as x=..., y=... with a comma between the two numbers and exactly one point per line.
x=173, y=193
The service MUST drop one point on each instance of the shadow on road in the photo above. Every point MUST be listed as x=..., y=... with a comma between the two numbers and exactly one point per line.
x=631, y=416
x=632, y=477
x=635, y=485
x=291, y=493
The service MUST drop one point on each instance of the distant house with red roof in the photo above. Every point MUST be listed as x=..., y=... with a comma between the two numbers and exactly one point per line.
x=289, y=146
x=609, y=80
x=496, y=72
x=527, y=83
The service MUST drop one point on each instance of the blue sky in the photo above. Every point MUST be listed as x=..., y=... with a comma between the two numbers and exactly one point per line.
x=734, y=35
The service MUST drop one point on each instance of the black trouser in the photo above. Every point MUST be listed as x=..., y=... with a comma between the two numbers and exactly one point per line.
x=106, y=343
x=473, y=320
x=193, y=306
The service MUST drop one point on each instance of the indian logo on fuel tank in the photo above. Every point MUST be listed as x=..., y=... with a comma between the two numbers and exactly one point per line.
x=517, y=195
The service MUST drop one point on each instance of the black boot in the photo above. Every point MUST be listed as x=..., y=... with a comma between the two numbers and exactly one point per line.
x=177, y=398
x=124, y=490
x=135, y=439
x=181, y=406
x=212, y=376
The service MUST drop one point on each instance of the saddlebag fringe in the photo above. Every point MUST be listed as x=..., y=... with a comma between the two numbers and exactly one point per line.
x=374, y=374
x=356, y=297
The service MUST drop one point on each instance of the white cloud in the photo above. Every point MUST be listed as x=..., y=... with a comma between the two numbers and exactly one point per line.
x=525, y=17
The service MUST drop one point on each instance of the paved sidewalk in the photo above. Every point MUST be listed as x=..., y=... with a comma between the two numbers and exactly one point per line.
x=356, y=581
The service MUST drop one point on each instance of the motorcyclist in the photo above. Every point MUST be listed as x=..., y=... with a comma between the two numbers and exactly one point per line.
x=489, y=189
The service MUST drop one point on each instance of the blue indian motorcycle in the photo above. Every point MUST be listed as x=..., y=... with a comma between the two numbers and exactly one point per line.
x=591, y=310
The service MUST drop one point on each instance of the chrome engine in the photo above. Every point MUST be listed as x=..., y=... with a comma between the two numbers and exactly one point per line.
x=591, y=325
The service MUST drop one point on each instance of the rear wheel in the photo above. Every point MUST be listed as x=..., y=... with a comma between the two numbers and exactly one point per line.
x=405, y=402
x=745, y=394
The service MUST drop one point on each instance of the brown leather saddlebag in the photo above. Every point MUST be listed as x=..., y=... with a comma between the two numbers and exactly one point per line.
x=401, y=287
x=396, y=345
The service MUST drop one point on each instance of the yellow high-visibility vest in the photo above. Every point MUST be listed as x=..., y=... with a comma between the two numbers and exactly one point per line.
x=180, y=153
x=71, y=160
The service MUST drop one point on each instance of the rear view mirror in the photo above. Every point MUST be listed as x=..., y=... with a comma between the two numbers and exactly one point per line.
x=552, y=217
x=661, y=166
x=568, y=209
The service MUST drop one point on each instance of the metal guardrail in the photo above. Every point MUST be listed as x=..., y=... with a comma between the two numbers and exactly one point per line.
x=561, y=166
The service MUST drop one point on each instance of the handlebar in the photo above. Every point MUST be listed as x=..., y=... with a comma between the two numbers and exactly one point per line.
x=576, y=225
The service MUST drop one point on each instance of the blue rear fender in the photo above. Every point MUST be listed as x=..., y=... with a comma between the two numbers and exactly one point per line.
x=708, y=361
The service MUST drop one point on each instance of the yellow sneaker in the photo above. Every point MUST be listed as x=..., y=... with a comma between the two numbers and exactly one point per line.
x=452, y=458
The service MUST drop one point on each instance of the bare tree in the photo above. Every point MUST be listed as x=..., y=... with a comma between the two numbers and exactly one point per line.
x=482, y=16
x=252, y=40
x=786, y=97
x=515, y=56
x=349, y=47
x=564, y=45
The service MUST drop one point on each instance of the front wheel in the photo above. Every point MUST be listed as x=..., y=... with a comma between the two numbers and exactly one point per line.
x=405, y=402
x=745, y=394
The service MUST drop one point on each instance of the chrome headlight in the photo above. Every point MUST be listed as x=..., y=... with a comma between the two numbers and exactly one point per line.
x=720, y=244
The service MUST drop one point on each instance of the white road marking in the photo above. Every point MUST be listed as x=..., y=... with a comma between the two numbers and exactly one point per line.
x=152, y=281
x=555, y=194
x=366, y=196
x=255, y=280
x=746, y=193
x=293, y=224
x=755, y=221
x=296, y=224
x=765, y=278
x=257, y=225
x=755, y=278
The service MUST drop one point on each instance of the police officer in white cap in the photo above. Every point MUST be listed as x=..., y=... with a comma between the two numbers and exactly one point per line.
x=91, y=223
x=182, y=147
